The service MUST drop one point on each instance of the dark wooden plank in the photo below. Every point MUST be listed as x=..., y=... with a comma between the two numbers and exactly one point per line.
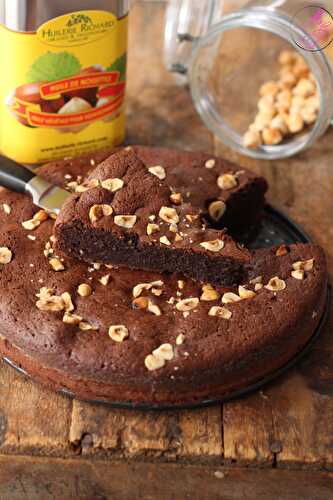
x=37, y=479
x=32, y=420
x=192, y=435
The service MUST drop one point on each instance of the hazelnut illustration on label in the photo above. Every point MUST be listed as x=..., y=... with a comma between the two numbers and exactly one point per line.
x=60, y=93
x=64, y=93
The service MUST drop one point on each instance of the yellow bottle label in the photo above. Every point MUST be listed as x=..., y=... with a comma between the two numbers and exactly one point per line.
x=62, y=88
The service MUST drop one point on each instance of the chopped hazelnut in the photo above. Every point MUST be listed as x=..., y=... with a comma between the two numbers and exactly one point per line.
x=153, y=363
x=125, y=221
x=298, y=274
x=85, y=326
x=244, y=293
x=96, y=212
x=180, y=339
x=71, y=319
x=6, y=208
x=56, y=264
x=192, y=217
x=230, y=297
x=281, y=251
x=104, y=280
x=169, y=215
x=256, y=280
x=84, y=290
x=118, y=333
x=165, y=241
x=164, y=351
x=276, y=284
x=152, y=228
x=178, y=237
x=213, y=246
x=5, y=255
x=217, y=209
x=153, y=308
x=181, y=284
x=221, y=312
x=31, y=224
x=48, y=302
x=67, y=300
x=113, y=185
x=258, y=286
x=91, y=184
x=187, y=304
x=209, y=293
x=158, y=171
x=227, y=181
x=138, y=289
x=176, y=198
x=305, y=265
x=210, y=163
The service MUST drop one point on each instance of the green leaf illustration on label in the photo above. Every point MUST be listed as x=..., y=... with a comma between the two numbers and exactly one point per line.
x=119, y=65
x=53, y=66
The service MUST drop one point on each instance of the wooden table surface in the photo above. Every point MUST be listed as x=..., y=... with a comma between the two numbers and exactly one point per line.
x=274, y=444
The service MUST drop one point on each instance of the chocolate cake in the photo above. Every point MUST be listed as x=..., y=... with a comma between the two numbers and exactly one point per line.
x=122, y=335
x=128, y=214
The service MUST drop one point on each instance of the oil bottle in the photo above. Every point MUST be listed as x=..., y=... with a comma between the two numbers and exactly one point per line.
x=63, y=76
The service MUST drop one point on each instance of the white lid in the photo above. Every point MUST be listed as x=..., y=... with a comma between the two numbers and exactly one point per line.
x=187, y=20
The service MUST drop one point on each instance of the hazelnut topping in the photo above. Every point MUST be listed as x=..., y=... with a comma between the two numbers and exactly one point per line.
x=227, y=181
x=169, y=215
x=187, y=304
x=209, y=293
x=221, y=312
x=118, y=333
x=158, y=171
x=216, y=209
x=113, y=185
x=84, y=290
x=96, y=212
x=230, y=297
x=276, y=284
x=125, y=221
x=213, y=246
x=5, y=255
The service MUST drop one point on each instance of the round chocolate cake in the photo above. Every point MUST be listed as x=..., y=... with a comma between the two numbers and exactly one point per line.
x=123, y=335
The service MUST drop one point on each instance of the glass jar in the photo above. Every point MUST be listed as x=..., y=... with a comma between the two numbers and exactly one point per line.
x=63, y=67
x=227, y=58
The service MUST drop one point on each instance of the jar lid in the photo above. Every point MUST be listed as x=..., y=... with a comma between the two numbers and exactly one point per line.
x=186, y=21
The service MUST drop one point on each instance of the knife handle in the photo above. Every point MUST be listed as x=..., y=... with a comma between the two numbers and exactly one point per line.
x=14, y=176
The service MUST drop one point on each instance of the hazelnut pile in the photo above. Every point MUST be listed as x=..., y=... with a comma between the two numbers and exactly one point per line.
x=286, y=106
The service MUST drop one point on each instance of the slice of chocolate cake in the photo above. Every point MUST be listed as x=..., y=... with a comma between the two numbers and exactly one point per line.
x=128, y=214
